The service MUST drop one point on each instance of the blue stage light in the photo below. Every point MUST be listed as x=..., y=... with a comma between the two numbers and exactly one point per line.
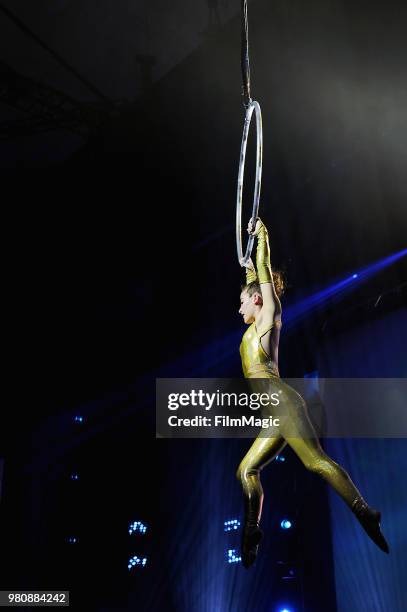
x=286, y=524
x=74, y=476
x=337, y=290
x=280, y=458
x=137, y=527
x=78, y=419
x=231, y=525
x=136, y=562
x=290, y=575
x=232, y=557
x=72, y=540
x=285, y=610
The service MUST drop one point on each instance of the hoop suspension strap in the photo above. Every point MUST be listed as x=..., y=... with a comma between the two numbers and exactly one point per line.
x=245, y=56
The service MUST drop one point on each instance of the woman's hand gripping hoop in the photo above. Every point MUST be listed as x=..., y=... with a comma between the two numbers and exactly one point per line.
x=252, y=106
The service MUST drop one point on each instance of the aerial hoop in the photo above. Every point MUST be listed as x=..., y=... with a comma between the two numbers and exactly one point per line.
x=252, y=106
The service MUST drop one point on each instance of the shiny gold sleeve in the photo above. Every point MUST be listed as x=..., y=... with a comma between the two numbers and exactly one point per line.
x=263, y=256
x=251, y=275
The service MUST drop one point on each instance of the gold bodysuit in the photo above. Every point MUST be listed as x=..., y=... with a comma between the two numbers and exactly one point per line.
x=256, y=363
x=295, y=428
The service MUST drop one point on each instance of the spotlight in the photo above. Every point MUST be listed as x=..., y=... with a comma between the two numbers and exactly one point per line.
x=286, y=571
x=78, y=419
x=338, y=289
x=231, y=525
x=285, y=610
x=137, y=526
x=232, y=556
x=136, y=562
x=286, y=524
x=74, y=476
x=72, y=540
x=290, y=575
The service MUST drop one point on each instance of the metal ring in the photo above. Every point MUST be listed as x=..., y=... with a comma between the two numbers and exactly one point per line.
x=253, y=106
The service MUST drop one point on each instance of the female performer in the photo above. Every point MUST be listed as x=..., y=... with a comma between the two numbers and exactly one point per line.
x=261, y=309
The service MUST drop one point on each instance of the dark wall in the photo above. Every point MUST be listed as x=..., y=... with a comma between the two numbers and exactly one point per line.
x=123, y=258
x=373, y=349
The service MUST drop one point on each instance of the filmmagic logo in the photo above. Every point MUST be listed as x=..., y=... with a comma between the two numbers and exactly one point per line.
x=209, y=400
x=223, y=421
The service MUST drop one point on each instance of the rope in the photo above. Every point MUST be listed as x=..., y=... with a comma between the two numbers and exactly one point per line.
x=245, y=57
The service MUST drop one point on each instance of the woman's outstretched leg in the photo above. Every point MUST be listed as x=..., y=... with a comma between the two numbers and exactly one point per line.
x=262, y=451
x=299, y=433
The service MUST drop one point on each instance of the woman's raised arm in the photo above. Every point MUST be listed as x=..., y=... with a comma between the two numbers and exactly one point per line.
x=271, y=303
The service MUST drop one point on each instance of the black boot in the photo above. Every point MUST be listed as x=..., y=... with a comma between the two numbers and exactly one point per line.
x=250, y=544
x=370, y=521
x=252, y=534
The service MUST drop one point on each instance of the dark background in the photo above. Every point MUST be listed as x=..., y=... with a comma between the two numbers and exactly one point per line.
x=119, y=226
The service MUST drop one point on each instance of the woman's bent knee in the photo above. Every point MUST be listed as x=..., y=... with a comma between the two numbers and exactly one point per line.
x=243, y=471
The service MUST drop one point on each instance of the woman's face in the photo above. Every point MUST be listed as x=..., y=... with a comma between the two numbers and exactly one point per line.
x=247, y=307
